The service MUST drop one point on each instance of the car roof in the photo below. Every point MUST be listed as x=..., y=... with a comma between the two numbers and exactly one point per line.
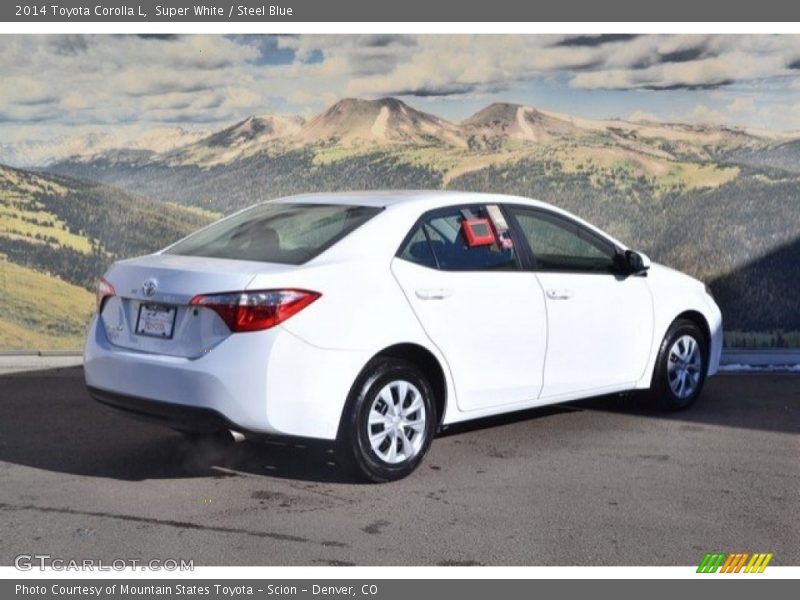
x=386, y=198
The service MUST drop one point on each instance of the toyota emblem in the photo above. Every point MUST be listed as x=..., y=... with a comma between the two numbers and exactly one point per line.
x=149, y=288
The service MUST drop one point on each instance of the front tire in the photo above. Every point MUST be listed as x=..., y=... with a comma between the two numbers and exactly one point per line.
x=681, y=367
x=389, y=421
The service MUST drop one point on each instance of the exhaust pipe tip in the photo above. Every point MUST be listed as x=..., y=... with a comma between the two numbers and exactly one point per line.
x=237, y=436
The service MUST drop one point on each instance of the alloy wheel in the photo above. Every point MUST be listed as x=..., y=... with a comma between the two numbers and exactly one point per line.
x=684, y=366
x=396, y=423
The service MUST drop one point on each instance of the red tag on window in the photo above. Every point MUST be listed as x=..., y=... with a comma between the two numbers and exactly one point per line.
x=479, y=232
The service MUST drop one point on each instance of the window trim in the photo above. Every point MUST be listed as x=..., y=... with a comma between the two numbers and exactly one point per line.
x=581, y=230
x=521, y=262
x=424, y=228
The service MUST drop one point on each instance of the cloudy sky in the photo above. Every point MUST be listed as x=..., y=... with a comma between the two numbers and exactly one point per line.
x=57, y=85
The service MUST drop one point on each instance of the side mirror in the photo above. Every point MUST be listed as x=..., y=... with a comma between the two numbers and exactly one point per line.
x=636, y=262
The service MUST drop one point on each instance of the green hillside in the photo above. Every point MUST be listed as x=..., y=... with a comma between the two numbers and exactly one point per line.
x=74, y=229
x=57, y=236
x=38, y=311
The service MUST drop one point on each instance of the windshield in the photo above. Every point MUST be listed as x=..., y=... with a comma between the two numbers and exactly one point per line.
x=276, y=232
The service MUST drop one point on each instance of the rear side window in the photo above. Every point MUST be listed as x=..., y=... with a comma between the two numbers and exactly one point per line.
x=438, y=241
x=276, y=232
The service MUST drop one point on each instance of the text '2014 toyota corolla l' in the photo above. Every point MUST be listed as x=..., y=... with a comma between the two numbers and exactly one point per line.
x=375, y=318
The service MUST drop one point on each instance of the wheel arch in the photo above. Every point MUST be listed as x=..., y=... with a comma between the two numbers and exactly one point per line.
x=426, y=361
x=429, y=364
x=692, y=315
x=700, y=320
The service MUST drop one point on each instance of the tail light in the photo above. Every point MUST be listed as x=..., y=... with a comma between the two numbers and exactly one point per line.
x=104, y=290
x=257, y=310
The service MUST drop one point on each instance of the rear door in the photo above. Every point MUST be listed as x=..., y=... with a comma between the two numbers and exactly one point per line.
x=483, y=312
x=600, y=322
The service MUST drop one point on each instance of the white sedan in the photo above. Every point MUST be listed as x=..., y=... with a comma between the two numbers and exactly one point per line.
x=376, y=318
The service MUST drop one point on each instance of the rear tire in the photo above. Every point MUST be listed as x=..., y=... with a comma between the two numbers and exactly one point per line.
x=681, y=367
x=389, y=421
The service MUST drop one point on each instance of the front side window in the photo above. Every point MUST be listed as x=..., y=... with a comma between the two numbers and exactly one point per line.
x=439, y=241
x=276, y=232
x=559, y=244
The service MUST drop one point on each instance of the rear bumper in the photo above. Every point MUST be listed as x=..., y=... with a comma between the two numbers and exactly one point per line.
x=176, y=416
x=268, y=382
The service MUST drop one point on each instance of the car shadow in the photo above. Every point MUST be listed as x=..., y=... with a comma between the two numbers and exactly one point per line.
x=48, y=422
x=769, y=401
x=766, y=401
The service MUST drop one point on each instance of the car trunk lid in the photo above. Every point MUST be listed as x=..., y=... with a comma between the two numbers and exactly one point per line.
x=150, y=311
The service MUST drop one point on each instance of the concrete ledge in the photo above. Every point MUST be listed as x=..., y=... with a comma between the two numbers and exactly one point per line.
x=35, y=361
x=4, y=353
x=771, y=357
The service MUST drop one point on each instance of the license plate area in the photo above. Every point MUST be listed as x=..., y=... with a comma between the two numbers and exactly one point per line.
x=156, y=320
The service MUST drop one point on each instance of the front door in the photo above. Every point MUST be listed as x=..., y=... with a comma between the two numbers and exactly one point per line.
x=600, y=322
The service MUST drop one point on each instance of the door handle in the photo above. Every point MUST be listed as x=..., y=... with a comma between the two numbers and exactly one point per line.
x=433, y=293
x=560, y=294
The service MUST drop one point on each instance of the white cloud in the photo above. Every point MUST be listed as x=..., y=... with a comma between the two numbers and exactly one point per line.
x=113, y=80
x=704, y=115
x=643, y=115
x=742, y=105
x=303, y=97
x=779, y=115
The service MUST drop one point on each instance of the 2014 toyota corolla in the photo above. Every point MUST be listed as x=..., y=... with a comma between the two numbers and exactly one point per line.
x=373, y=319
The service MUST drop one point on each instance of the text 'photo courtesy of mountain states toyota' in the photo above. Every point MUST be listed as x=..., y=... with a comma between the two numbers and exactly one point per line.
x=373, y=319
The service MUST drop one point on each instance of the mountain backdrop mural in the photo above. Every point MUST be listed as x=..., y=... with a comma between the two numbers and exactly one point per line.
x=686, y=147
x=718, y=202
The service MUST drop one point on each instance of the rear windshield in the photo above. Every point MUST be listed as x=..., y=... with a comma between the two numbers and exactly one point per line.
x=276, y=232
